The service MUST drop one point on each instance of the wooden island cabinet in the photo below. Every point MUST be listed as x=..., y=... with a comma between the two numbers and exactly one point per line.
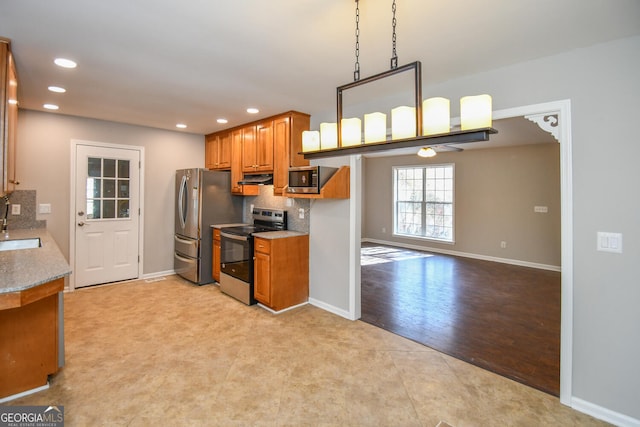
x=281, y=271
x=29, y=337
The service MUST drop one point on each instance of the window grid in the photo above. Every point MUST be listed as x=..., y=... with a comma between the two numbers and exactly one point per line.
x=108, y=184
x=424, y=201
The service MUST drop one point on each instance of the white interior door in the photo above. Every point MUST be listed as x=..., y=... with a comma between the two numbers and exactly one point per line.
x=107, y=214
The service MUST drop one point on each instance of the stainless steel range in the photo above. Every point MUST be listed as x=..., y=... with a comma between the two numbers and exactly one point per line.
x=236, y=257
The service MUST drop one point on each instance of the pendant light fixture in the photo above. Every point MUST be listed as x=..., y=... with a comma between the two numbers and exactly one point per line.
x=424, y=124
x=427, y=152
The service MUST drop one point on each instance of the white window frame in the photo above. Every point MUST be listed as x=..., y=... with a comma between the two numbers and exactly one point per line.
x=424, y=202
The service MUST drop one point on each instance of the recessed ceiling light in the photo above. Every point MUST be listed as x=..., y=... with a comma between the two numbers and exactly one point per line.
x=252, y=110
x=50, y=106
x=181, y=126
x=65, y=63
x=222, y=121
x=57, y=89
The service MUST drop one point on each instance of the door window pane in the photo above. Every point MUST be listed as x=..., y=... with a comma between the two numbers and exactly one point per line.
x=109, y=168
x=109, y=209
x=93, y=209
x=94, y=167
x=123, y=209
x=123, y=168
x=93, y=188
x=123, y=189
x=109, y=188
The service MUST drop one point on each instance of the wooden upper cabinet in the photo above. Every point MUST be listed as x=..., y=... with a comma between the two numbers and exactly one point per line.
x=271, y=145
x=236, y=161
x=257, y=148
x=287, y=142
x=8, y=118
x=218, y=151
x=264, y=147
x=238, y=137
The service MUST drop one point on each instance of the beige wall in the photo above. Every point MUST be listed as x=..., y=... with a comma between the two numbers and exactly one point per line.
x=44, y=142
x=495, y=193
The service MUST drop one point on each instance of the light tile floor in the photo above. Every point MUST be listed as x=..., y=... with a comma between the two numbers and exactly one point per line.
x=172, y=353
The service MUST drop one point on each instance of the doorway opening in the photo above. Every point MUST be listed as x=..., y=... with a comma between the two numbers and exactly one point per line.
x=561, y=111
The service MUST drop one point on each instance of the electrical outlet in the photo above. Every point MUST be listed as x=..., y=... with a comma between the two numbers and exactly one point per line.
x=15, y=209
x=384, y=229
x=301, y=213
x=44, y=208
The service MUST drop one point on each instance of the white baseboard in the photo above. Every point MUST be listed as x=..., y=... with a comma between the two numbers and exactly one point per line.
x=466, y=255
x=23, y=394
x=604, y=414
x=283, y=310
x=157, y=274
x=331, y=309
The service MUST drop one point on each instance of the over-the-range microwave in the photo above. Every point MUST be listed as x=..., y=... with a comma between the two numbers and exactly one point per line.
x=309, y=179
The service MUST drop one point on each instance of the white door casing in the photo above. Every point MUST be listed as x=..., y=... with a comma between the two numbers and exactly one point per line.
x=105, y=213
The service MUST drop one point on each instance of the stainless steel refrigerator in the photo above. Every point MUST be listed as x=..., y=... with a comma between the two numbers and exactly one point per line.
x=203, y=198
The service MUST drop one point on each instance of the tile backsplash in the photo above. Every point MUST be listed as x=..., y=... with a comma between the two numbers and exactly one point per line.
x=27, y=218
x=266, y=199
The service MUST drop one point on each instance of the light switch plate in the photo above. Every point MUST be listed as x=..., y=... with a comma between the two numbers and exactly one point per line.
x=609, y=242
x=15, y=209
x=44, y=208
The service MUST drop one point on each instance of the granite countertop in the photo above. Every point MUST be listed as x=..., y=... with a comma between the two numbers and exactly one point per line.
x=279, y=234
x=27, y=268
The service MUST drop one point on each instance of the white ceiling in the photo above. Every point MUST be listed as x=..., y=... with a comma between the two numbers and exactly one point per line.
x=159, y=62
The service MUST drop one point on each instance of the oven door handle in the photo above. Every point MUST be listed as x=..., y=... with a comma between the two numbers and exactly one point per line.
x=233, y=236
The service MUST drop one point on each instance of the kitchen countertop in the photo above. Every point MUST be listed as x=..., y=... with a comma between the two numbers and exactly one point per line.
x=279, y=234
x=27, y=268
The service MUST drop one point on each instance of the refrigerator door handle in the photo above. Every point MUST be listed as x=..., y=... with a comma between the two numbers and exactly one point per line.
x=182, y=206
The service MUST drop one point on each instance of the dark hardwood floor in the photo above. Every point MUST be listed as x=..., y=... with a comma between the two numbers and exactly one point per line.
x=500, y=317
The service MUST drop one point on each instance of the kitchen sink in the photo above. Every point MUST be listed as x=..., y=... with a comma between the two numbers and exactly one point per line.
x=16, y=244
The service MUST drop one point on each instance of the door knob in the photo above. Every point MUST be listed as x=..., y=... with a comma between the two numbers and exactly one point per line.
x=81, y=223
x=80, y=213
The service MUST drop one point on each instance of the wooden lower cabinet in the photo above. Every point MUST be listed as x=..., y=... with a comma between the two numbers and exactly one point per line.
x=29, y=337
x=281, y=271
x=216, y=255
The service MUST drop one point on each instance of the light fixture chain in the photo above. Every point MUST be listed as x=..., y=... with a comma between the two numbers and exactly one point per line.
x=394, y=55
x=356, y=73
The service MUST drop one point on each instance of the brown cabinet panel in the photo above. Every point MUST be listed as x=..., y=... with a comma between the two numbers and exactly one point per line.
x=236, y=161
x=287, y=142
x=224, y=151
x=216, y=254
x=264, y=147
x=218, y=151
x=8, y=118
x=249, y=156
x=281, y=271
